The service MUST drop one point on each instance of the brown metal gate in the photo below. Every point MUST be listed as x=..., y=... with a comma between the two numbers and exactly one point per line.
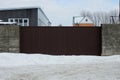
x=61, y=40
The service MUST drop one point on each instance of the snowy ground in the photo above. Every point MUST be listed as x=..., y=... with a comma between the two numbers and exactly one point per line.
x=46, y=67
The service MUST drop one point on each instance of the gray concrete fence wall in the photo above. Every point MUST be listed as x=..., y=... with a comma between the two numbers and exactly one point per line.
x=111, y=39
x=9, y=38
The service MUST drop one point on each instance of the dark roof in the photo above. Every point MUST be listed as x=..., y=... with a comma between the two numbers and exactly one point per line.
x=17, y=8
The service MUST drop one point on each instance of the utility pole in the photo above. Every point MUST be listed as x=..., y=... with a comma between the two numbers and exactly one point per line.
x=119, y=11
x=74, y=17
x=73, y=20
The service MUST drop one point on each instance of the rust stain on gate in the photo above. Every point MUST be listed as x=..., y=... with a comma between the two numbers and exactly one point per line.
x=61, y=40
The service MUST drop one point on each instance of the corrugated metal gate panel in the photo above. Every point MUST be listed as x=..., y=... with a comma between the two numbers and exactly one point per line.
x=61, y=40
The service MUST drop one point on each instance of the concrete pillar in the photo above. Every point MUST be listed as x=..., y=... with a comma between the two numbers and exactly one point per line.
x=9, y=38
x=111, y=39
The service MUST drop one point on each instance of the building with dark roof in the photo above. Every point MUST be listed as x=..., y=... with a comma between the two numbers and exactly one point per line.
x=29, y=16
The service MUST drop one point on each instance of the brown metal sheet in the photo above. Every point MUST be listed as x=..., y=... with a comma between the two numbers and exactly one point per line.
x=61, y=40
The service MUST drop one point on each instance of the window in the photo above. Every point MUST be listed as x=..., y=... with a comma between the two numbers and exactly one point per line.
x=86, y=20
x=11, y=21
x=16, y=20
x=25, y=22
x=20, y=21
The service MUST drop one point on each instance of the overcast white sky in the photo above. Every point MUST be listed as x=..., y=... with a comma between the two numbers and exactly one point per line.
x=62, y=11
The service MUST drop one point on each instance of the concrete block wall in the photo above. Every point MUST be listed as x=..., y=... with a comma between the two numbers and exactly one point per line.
x=9, y=38
x=111, y=39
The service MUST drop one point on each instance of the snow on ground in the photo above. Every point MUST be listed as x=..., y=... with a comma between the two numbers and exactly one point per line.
x=47, y=67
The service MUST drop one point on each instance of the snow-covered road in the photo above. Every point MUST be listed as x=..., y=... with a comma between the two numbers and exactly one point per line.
x=45, y=67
